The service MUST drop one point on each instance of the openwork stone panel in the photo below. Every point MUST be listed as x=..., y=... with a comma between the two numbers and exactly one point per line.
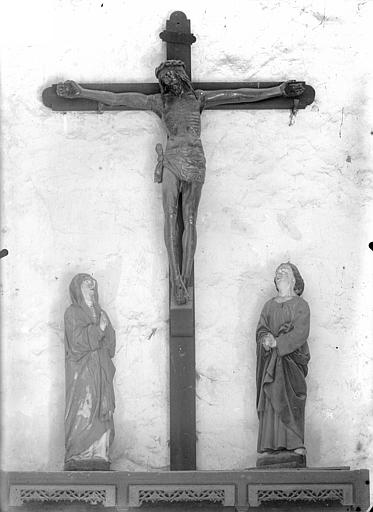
x=311, y=493
x=244, y=490
x=139, y=494
x=90, y=494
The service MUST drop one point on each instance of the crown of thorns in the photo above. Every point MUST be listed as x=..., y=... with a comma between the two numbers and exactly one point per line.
x=169, y=64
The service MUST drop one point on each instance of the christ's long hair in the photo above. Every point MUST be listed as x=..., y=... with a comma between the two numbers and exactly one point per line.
x=184, y=79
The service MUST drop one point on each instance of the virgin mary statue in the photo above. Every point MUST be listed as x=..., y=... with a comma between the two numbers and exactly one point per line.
x=89, y=346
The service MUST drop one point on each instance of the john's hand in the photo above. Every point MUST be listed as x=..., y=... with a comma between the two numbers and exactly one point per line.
x=292, y=89
x=273, y=342
x=268, y=342
x=266, y=346
x=69, y=89
x=285, y=328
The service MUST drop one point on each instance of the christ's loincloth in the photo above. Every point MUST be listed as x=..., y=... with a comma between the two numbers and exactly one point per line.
x=186, y=161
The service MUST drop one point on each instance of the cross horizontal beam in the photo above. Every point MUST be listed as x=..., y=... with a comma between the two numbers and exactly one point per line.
x=59, y=104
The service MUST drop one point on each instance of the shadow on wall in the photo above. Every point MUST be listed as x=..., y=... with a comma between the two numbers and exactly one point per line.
x=56, y=399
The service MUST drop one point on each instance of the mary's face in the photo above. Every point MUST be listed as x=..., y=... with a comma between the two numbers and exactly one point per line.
x=88, y=289
x=284, y=276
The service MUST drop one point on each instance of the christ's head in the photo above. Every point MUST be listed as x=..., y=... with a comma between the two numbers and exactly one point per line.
x=173, y=78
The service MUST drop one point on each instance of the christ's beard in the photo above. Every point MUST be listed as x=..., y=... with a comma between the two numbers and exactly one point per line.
x=175, y=89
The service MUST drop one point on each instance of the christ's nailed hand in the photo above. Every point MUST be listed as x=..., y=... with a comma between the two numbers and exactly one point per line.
x=69, y=89
x=292, y=88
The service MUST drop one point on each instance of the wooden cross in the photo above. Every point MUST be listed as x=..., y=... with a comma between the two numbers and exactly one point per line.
x=182, y=328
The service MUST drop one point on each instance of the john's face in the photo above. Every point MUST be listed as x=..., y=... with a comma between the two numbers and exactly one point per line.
x=171, y=82
x=284, y=276
x=88, y=290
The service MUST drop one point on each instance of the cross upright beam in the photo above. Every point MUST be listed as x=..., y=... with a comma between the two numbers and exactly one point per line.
x=182, y=320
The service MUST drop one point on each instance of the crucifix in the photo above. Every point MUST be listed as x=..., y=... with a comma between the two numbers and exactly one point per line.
x=181, y=170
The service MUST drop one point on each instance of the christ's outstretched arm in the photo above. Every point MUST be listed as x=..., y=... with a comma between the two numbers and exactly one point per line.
x=290, y=89
x=135, y=100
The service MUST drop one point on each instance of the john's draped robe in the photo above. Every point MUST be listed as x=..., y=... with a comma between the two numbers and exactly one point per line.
x=280, y=375
x=89, y=375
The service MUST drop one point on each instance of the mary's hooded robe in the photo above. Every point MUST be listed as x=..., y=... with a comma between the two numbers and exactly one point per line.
x=89, y=374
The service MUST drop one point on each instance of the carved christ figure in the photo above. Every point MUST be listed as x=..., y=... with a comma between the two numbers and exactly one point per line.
x=181, y=168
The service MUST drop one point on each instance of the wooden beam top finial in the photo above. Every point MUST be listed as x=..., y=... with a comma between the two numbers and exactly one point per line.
x=178, y=30
x=179, y=39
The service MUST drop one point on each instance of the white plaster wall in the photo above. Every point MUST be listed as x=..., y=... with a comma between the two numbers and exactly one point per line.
x=78, y=196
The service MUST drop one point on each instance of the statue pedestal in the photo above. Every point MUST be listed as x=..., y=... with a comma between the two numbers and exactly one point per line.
x=278, y=460
x=311, y=489
x=87, y=465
